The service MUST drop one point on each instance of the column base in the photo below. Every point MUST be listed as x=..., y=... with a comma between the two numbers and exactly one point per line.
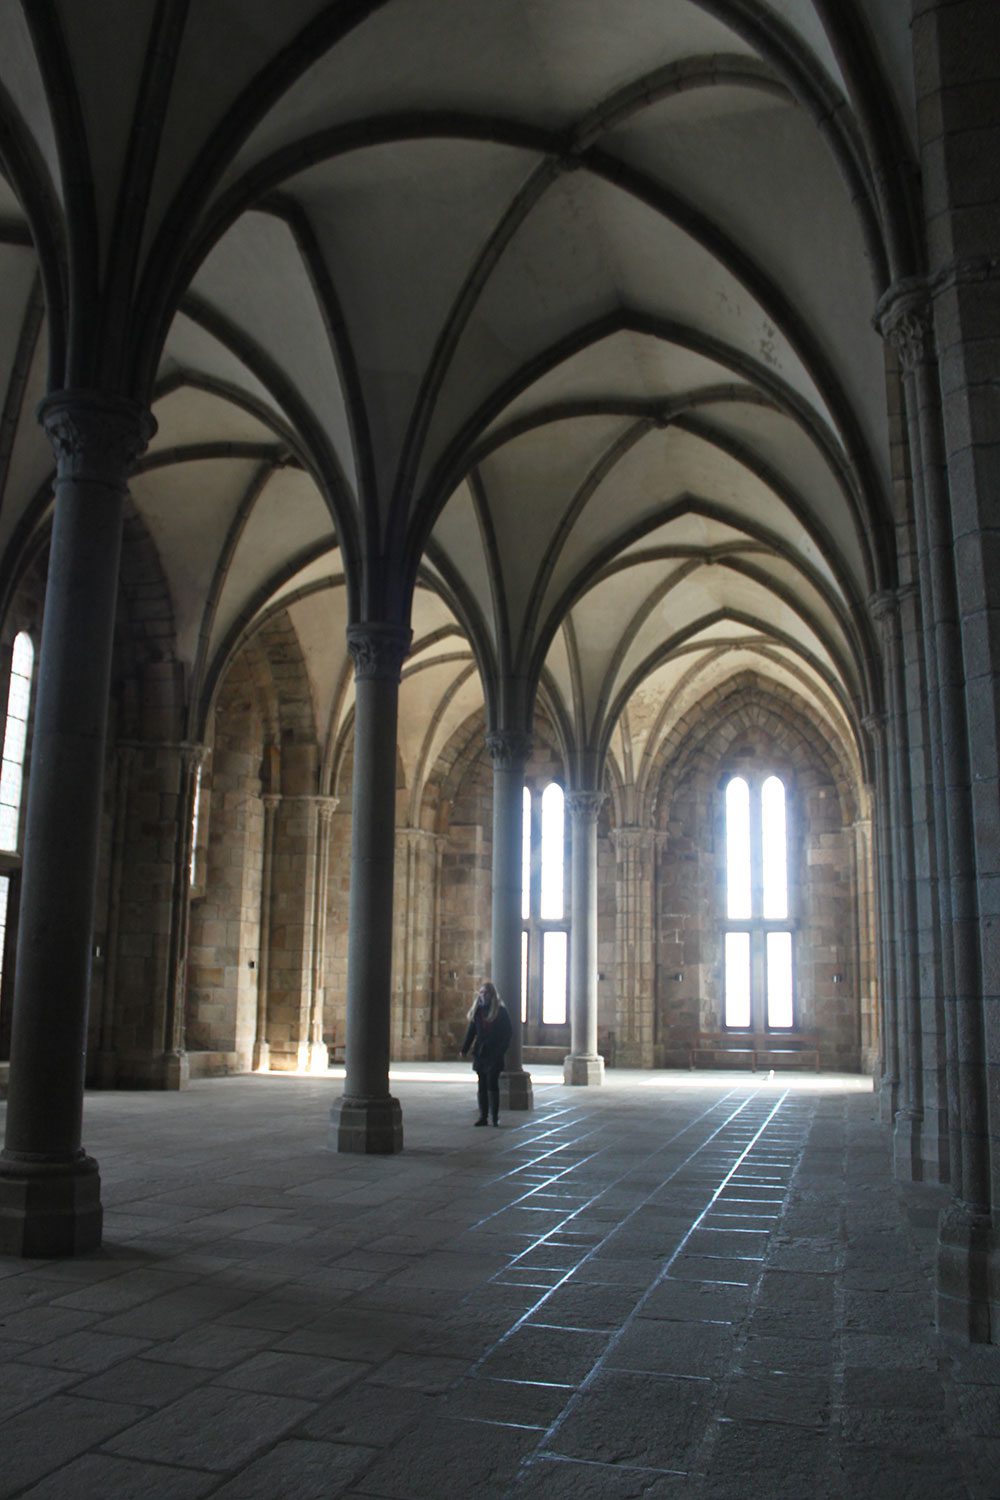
x=907, y=1146
x=176, y=1070
x=888, y=1098
x=144, y=1070
x=50, y=1209
x=583, y=1069
x=515, y=1091
x=261, y=1057
x=369, y=1126
x=968, y=1276
x=313, y=1058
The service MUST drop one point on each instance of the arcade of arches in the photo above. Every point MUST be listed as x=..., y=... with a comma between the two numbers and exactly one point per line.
x=439, y=399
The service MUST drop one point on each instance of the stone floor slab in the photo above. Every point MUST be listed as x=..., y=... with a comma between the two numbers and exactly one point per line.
x=211, y=1429
x=247, y=1271
x=303, y=1469
x=97, y=1476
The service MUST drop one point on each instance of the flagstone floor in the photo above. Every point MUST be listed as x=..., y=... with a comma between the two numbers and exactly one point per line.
x=678, y=1285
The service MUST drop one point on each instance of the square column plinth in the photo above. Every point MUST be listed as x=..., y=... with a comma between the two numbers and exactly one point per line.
x=515, y=1091
x=49, y=1210
x=968, y=1276
x=370, y=1126
x=583, y=1070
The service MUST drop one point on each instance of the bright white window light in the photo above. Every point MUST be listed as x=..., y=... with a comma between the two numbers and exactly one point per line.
x=195, y=817
x=554, y=952
x=525, y=854
x=774, y=849
x=553, y=852
x=524, y=977
x=738, y=850
x=15, y=740
x=4, y=894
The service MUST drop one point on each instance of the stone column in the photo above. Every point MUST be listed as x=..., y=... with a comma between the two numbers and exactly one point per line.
x=955, y=50
x=584, y=1065
x=369, y=1119
x=866, y=946
x=142, y=1037
x=50, y=1200
x=509, y=752
x=887, y=1083
x=261, y=1047
x=105, y=1071
x=964, y=1248
x=909, y=1144
x=635, y=851
x=175, y=1066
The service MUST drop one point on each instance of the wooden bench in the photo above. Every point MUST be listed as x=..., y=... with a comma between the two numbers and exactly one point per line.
x=776, y=1049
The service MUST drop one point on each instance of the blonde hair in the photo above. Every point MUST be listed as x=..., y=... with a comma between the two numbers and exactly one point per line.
x=487, y=992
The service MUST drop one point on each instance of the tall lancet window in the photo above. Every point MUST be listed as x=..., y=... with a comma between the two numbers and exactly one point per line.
x=15, y=745
x=15, y=741
x=758, y=950
x=544, y=916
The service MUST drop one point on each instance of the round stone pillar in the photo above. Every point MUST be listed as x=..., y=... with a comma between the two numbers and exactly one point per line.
x=50, y=1200
x=509, y=753
x=584, y=1065
x=368, y=1118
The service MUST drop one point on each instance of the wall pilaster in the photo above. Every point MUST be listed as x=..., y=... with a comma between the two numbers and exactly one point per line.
x=635, y=857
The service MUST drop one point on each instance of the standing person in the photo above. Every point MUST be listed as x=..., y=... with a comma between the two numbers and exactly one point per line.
x=489, y=1037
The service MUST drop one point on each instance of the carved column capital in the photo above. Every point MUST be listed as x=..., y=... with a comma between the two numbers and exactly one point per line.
x=193, y=756
x=905, y=319
x=326, y=807
x=884, y=610
x=585, y=807
x=883, y=605
x=509, y=749
x=875, y=724
x=418, y=836
x=378, y=650
x=95, y=439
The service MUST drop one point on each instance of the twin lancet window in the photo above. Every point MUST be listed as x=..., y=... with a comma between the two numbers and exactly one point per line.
x=544, y=929
x=759, y=984
x=759, y=981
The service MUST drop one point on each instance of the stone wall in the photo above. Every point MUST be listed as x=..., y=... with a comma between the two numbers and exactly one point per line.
x=464, y=950
x=746, y=730
x=224, y=934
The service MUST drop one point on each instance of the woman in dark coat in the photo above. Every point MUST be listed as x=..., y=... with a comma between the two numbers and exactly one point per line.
x=489, y=1037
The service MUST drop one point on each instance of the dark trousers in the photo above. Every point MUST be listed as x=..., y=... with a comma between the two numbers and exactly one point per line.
x=489, y=1090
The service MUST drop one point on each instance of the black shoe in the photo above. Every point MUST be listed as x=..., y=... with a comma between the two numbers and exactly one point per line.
x=497, y=1123
x=481, y=1121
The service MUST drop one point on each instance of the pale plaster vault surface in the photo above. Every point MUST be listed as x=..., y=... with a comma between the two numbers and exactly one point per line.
x=697, y=1285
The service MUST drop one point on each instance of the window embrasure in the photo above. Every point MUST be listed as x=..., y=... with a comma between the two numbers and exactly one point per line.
x=15, y=741
x=759, y=986
x=545, y=928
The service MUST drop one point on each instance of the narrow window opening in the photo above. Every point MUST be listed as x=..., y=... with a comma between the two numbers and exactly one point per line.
x=195, y=819
x=758, y=963
x=544, y=935
x=15, y=741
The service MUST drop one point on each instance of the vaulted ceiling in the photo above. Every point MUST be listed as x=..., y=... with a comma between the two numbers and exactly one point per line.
x=561, y=307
